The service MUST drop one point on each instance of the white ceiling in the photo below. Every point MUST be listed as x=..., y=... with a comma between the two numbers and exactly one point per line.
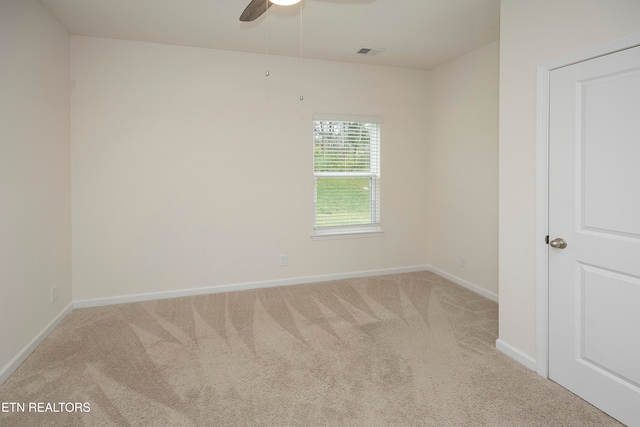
x=415, y=33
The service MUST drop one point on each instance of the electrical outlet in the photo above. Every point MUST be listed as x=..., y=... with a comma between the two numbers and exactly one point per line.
x=283, y=261
x=54, y=294
x=463, y=262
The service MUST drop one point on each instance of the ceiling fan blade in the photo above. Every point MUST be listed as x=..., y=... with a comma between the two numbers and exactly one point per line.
x=254, y=10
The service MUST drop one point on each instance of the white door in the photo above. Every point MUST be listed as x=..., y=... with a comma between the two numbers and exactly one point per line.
x=594, y=205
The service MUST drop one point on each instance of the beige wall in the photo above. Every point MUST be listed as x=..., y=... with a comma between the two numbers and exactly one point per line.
x=192, y=169
x=462, y=163
x=35, y=185
x=532, y=33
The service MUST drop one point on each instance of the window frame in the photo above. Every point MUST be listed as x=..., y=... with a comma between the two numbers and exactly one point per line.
x=373, y=229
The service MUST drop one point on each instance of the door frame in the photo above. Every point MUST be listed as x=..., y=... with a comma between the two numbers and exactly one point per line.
x=542, y=186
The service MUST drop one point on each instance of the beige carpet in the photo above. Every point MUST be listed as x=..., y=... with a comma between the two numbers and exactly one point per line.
x=400, y=350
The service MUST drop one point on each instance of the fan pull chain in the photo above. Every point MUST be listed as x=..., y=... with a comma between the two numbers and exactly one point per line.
x=301, y=62
x=266, y=3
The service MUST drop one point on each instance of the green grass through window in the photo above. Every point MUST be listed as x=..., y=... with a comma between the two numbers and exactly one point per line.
x=343, y=201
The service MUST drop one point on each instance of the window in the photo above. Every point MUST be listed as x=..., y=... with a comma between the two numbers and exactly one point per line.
x=346, y=169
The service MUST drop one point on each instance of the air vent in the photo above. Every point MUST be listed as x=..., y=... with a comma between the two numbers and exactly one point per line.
x=370, y=51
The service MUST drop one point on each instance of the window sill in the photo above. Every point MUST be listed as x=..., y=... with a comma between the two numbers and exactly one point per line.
x=346, y=233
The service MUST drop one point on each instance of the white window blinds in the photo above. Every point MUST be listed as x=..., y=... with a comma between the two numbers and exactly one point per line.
x=346, y=160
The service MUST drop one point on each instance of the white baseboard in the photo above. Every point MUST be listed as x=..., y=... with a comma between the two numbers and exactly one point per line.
x=517, y=355
x=97, y=302
x=15, y=363
x=465, y=284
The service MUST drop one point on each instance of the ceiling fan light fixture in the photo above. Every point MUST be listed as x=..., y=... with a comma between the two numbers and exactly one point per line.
x=284, y=2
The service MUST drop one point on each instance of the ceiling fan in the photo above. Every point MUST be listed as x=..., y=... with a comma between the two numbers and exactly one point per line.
x=257, y=7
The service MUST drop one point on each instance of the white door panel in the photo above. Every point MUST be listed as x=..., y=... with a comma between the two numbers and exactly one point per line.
x=594, y=205
x=620, y=294
x=611, y=152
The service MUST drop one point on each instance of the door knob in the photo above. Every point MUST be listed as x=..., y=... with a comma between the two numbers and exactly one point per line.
x=558, y=243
